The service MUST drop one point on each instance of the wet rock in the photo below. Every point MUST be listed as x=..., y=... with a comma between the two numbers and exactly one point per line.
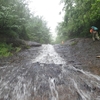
x=87, y=87
x=43, y=73
x=34, y=44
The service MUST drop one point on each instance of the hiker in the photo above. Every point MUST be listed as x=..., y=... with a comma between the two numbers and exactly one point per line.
x=62, y=42
x=94, y=32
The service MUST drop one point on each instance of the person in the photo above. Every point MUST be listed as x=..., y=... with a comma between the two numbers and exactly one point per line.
x=62, y=42
x=94, y=32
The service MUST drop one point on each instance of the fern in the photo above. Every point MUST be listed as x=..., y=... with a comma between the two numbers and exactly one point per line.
x=5, y=50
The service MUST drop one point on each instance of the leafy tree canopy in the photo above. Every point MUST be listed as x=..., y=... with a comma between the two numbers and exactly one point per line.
x=17, y=22
x=79, y=16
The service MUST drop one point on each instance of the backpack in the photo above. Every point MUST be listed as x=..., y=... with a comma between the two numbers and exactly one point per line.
x=94, y=28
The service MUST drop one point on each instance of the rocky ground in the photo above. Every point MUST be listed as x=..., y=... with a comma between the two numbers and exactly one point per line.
x=69, y=71
x=81, y=53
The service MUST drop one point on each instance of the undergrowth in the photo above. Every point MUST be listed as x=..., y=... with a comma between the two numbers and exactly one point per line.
x=7, y=50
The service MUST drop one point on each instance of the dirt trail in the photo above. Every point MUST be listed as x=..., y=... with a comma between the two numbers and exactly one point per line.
x=60, y=72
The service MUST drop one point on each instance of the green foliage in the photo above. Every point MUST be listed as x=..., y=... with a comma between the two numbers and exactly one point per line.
x=16, y=21
x=18, y=49
x=38, y=30
x=5, y=50
x=78, y=19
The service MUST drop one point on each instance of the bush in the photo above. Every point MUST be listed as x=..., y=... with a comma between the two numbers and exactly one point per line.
x=5, y=50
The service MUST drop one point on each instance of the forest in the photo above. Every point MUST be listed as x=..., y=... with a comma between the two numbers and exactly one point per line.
x=79, y=16
x=17, y=22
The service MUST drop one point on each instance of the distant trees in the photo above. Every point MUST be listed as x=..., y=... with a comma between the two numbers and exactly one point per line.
x=78, y=18
x=38, y=31
x=17, y=22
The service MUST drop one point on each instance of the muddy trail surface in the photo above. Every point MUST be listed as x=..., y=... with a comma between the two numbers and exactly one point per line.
x=53, y=72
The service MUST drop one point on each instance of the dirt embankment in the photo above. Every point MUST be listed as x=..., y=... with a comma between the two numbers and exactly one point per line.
x=81, y=52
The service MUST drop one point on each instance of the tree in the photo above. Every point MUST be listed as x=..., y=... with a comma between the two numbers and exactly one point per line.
x=17, y=22
x=78, y=19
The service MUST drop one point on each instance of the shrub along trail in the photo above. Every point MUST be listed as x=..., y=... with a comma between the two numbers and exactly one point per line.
x=60, y=72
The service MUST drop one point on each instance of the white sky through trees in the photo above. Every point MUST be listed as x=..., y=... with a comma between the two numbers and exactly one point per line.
x=50, y=10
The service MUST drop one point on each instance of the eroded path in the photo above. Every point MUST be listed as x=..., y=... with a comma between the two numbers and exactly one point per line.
x=42, y=74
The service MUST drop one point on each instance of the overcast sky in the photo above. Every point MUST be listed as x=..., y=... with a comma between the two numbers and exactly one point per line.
x=49, y=9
